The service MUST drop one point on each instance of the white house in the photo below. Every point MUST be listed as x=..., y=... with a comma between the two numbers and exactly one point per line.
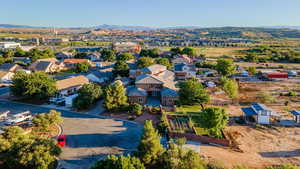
x=260, y=113
x=9, y=45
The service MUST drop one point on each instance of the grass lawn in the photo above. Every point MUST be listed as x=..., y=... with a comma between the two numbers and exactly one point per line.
x=201, y=131
x=188, y=109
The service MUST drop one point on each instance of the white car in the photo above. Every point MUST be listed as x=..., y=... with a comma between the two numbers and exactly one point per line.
x=210, y=84
x=4, y=115
x=17, y=118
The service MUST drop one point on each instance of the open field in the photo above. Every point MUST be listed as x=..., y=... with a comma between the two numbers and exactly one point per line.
x=217, y=52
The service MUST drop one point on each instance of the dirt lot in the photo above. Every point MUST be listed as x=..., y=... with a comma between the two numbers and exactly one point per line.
x=261, y=146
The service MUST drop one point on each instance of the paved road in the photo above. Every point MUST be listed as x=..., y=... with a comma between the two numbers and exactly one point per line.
x=4, y=90
x=88, y=136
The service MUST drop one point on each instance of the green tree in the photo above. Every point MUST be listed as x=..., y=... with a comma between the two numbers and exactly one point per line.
x=8, y=53
x=121, y=162
x=252, y=70
x=178, y=158
x=115, y=96
x=20, y=150
x=163, y=61
x=191, y=52
x=87, y=95
x=153, y=53
x=231, y=88
x=125, y=57
x=265, y=97
x=192, y=92
x=251, y=57
x=150, y=148
x=108, y=55
x=35, y=85
x=145, y=62
x=225, y=67
x=36, y=54
x=121, y=68
x=136, y=109
x=175, y=51
x=82, y=67
x=80, y=55
x=214, y=119
x=19, y=52
x=44, y=120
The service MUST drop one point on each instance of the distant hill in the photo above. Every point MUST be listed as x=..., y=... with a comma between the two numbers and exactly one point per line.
x=120, y=27
x=16, y=26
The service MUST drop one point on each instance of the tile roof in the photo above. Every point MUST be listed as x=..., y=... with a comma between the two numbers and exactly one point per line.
x=134, y=91
x=154, y=69
x=41, y=66
x=147, y=79
x=167, y=92
x=74, y=61
x=7, y=66
x=71, y=82
x=2, y=74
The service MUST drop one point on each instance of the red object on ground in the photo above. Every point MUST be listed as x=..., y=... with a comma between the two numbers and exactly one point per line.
x=61, y=140
x=278, y=75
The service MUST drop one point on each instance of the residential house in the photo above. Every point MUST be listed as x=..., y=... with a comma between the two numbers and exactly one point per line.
x=63, y=55
x=137, y=95
x=182, y=59
x=184, y=71
x=296, y=115
x=100, y=76
x=71, y=63
x=8, y=67
x=95, y=56
x=49, y=65
x=6, y=77
x=153, y=82
x=25, y=60
x=70, y=85
x=259, y=113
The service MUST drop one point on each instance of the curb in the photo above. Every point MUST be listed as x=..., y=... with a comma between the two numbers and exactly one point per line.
x=93, y=115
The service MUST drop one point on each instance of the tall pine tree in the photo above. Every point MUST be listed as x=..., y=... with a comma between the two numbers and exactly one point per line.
x=150, y=148
x=115, y=96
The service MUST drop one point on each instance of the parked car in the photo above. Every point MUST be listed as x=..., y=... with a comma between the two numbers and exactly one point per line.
x=61, y=140
x=4, y=115
x=210, y=84
x=17, y=118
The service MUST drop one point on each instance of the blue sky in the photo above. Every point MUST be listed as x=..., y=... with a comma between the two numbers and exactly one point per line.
x=156, y=13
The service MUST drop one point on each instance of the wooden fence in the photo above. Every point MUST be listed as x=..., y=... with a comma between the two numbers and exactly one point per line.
x=202, y=139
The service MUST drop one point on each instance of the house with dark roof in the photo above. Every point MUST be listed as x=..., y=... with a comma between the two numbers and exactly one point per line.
x=259, y=113
x=9, y=67
x=184, y=71
x=49, y=65
x=296, y=115
x=153, y=82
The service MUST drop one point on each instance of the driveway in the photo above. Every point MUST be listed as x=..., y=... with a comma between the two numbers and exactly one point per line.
x=89, y=137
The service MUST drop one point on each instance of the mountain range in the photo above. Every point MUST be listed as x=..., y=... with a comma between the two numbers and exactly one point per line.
x=136, y=28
